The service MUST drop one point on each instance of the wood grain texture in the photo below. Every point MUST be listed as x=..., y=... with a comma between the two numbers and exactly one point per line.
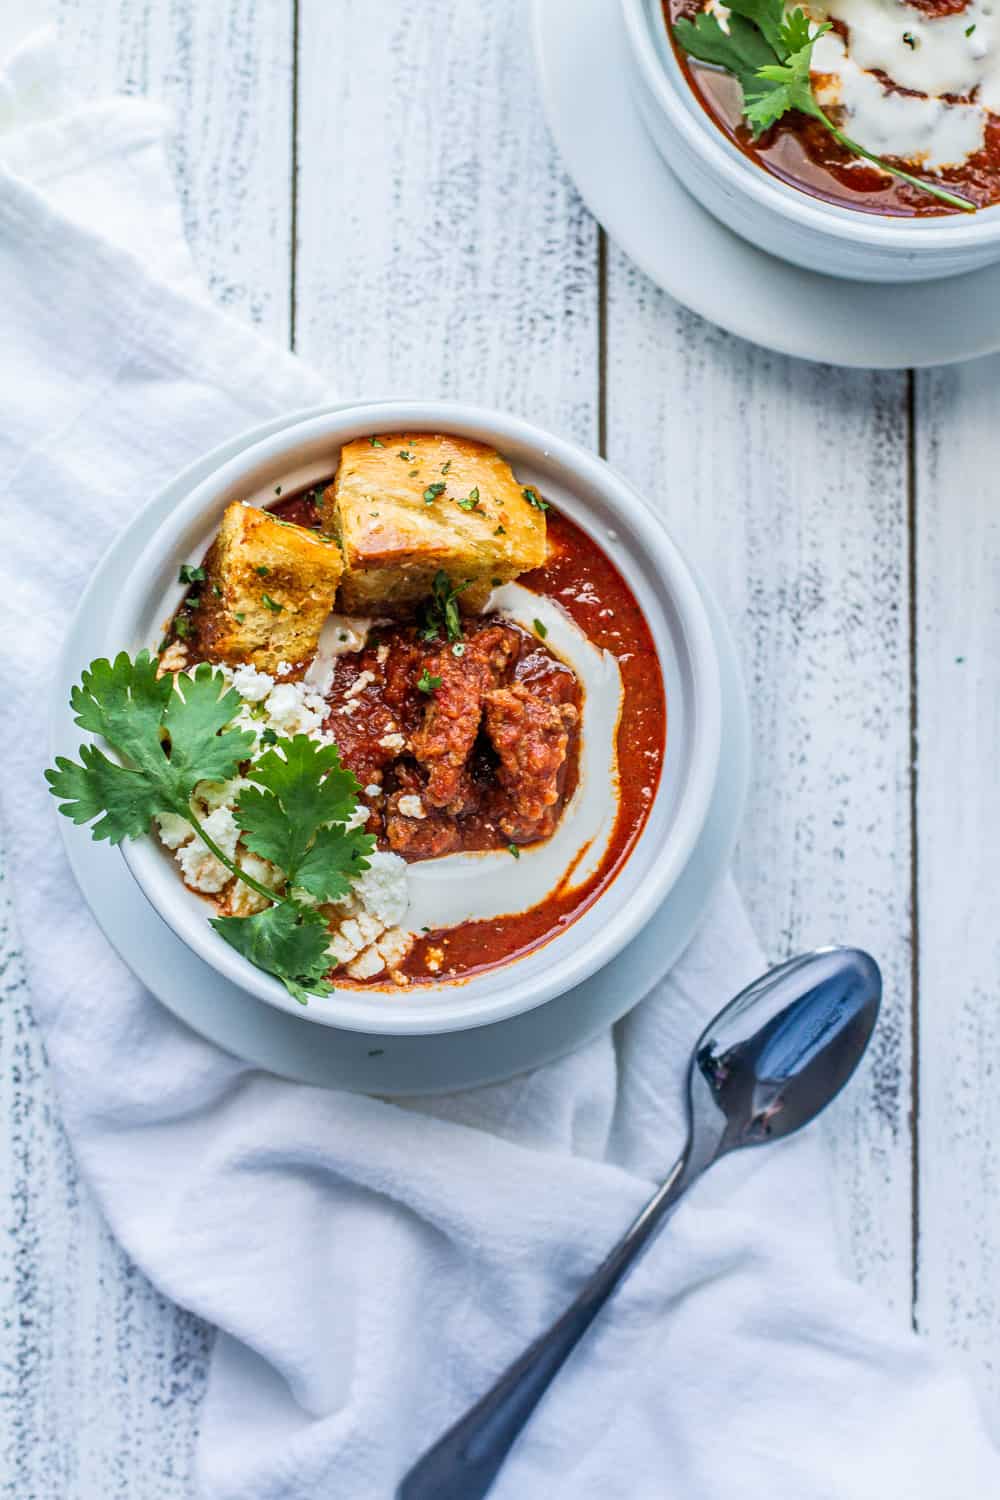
x=224, y=69
x=958, y=804
x=441, y=249
x=786, y=483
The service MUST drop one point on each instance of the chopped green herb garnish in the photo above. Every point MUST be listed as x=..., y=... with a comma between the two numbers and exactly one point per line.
x=534, y=498
x=182, y=627
x=239, y=619
x=471, y=501
x=513, y=849
x=277, y=489
x=262, y=571
x=970, y=29
x=433, y=491
x=216, y=591
x=426, y=683
x=374, y=443
x=910, y=40
x=499, y=531
x=406, y=457
x=171, y=733
x=540, y=629
x=190, y=574
x=770, y=53
x=414, y=473
x=446, y=466
x=496, y=583
x=440, y=613
x=272, y=604
x=268, y=737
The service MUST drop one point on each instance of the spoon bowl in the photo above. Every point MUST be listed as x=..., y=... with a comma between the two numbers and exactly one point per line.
x=780, y=1052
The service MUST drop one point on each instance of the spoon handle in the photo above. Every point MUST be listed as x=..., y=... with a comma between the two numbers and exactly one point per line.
x=464, y=1462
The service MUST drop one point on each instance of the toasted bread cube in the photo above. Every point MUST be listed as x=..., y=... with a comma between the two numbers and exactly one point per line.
x=409, y=505
x=269, y=587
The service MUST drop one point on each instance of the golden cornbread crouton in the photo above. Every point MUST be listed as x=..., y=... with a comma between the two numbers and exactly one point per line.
x=268, y=588
x=406, y=506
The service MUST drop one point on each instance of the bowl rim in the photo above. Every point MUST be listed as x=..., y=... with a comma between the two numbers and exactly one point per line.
x=693, y=122
x=453, y=1007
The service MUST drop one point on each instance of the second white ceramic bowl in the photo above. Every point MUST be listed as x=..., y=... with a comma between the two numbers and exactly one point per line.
x=768, y=212
x=591, y=494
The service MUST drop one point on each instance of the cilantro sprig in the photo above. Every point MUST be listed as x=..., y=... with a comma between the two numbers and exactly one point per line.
x=770, y=53
x=170, y=734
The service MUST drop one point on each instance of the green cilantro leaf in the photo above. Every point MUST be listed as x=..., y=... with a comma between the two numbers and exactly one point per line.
x=299, y=787
x=194, y=718
x=98, y=786
x=534, y=499
x=287, y=940
x=426, y=683
x=333, y=861
x=432, y=491
x=190, y=574
x=768, y=16
x=170, y=732
x=770, y=53
x=471, y=500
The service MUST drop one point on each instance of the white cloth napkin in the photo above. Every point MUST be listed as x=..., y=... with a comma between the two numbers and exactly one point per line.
x=372, y=1266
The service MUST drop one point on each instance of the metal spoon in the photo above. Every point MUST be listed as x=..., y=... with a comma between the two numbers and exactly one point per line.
x=767, y=1065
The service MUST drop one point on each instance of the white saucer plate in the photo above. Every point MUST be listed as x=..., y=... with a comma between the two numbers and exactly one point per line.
x=583, y=66
x=333, y=1058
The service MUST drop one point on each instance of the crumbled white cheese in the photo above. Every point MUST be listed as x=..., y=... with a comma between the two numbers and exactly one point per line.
x=392, y=742
x=411, y=806
x=173, y=829
x=241, y=899
x=394, y=945
x=373, y=789
x=368, y=930
x=213, y=794
x=198, y=864
x=367, y=964
x=293, y=709
x=252, y=685
x=359, y=684
x=382, y=654
x=383, y=888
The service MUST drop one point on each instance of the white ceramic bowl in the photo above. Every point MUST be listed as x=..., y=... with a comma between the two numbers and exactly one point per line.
x=592, y=495
x=768, y=212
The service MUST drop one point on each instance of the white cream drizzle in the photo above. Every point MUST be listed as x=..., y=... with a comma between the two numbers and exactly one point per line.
x=956, y=54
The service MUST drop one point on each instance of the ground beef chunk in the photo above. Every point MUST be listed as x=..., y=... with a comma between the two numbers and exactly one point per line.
x=531, y=736
x=420, y=838
x=443, y=742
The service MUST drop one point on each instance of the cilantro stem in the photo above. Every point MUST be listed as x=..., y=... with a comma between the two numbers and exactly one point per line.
x=224, y=859
x=954, y=199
